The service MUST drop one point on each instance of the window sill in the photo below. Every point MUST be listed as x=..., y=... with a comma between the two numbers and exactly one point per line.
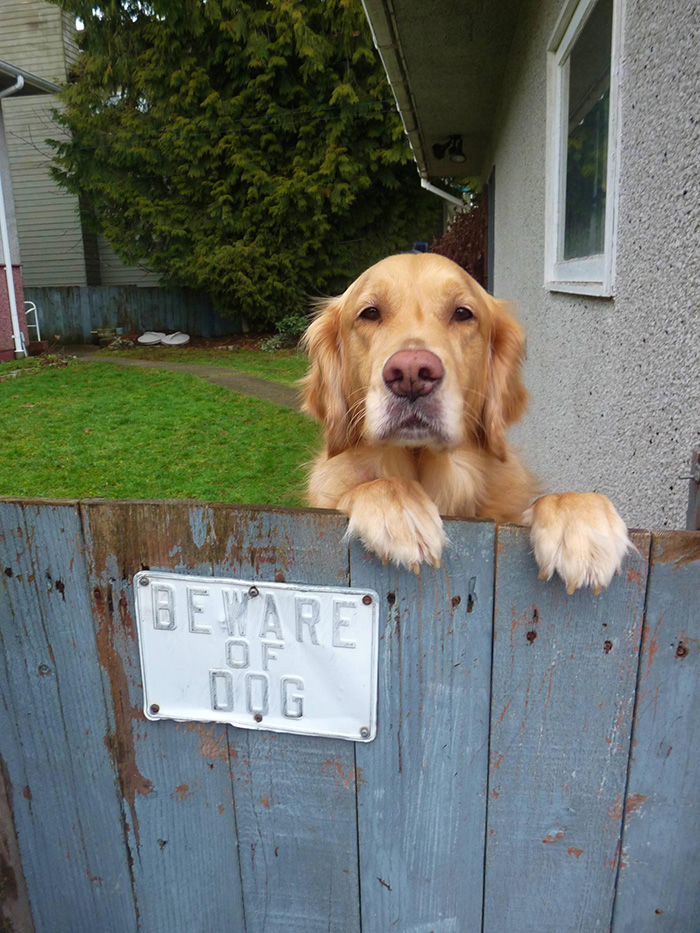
x=595, y=289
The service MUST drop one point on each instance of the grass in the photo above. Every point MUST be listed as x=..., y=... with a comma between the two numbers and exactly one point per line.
x=284, y=366
x=94, y=430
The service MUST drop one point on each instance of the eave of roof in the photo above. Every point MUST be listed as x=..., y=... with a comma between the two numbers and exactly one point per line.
x=33, y=84
x=445, y=61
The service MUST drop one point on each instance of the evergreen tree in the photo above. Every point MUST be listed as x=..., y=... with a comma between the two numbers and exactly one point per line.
x=248, y=147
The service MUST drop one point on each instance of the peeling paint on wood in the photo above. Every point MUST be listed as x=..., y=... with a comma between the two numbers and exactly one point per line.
x=122, y=823
x=421, y=804
x=159, y=762
x=295, y=818
x=53, y=715
x=659, y=887
x=15, y=914
x=676, y=547
x=560, y=778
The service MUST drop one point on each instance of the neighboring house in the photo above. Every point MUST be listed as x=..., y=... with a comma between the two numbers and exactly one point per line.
x=14, y=338
x=56, y=250
x=584, y=117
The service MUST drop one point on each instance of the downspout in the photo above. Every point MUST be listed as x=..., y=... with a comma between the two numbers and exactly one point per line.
x=7, y=255
x=458, y=202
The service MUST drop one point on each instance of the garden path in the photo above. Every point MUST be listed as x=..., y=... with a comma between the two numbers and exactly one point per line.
x=274, y=392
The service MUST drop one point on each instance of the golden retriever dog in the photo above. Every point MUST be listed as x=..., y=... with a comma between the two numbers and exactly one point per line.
x=415, y=374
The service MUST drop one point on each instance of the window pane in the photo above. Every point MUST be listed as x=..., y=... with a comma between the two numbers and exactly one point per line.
x=587, y=142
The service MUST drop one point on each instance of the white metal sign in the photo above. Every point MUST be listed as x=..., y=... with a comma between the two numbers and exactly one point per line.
x=273, y=656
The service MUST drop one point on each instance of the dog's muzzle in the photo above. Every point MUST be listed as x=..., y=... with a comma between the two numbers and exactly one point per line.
x=414, y=411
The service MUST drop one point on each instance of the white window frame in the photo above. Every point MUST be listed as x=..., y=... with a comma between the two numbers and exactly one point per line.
x=591, y=275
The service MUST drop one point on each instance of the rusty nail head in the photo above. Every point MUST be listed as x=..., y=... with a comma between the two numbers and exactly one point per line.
x=144, y=581
x=154, y=709
x=44, y=669
x=253, y=591
x=364, y=732
x=367, y=600
x=681, y=650
x=257, y=717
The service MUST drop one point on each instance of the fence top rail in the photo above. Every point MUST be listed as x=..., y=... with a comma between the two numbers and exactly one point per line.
x=660, y=534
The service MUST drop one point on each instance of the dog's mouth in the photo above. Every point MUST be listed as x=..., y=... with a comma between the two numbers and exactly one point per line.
x=412, y=422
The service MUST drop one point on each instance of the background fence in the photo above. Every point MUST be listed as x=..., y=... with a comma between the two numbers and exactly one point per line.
x=73, y=312
x=536, y=766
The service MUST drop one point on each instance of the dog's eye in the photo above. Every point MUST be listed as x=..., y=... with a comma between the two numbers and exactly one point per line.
x=370, y=314
x=462, y=314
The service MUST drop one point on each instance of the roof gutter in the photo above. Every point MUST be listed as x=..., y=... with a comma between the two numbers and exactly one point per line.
x=17, y=336
x=382, y=24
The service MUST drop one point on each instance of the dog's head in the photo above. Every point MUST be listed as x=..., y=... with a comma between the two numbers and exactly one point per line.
x=414, y=353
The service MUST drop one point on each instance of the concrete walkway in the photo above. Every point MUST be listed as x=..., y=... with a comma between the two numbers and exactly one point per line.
x=274, y=392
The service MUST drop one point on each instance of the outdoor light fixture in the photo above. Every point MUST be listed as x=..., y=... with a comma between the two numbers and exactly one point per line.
x=452, y=148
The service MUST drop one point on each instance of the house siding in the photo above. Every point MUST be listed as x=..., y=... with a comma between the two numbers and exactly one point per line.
x=39, y=37
x=114, y=272
x=48, y=222
x=614, y=390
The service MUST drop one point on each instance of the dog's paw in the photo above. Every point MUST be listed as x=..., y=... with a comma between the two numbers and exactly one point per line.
x=397, y=520
x=578, y=535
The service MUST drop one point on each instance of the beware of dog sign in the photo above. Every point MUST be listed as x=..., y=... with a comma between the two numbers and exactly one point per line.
x=272, y=656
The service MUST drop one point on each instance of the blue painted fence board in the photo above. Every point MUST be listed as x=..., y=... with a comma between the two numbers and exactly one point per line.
x=564, y=677
x=72, y=312
x=175, y=778
x=295, y=796
x=499, y=795
x=659, y=888
x=53, y=722
x=422, y=791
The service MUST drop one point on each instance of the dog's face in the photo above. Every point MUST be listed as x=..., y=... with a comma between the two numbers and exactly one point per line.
x=415, y=353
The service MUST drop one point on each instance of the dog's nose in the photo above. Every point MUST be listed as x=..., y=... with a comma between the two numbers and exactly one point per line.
x=412, y=373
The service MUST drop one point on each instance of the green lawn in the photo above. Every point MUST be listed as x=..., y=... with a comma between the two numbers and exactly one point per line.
x=95, y=430
x=279, y=365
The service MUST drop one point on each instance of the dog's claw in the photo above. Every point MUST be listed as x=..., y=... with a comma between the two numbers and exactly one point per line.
x=571, y=589
x=416, y=569
x=597, y=590
x=543, y=575
x=436, y=563
x=385, y=560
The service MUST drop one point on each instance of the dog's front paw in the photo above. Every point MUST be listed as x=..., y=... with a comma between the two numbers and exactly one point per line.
x=397, y=520
x=578, y=535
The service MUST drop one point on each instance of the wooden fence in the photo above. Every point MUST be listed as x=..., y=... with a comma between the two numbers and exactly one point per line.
x=73, y=312
x=536, y=766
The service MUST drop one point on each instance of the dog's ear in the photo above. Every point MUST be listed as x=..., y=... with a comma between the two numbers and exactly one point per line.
x=506, y=396
x=321, y=388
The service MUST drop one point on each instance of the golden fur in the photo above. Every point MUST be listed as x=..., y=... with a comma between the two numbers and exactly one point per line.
x=394, y=465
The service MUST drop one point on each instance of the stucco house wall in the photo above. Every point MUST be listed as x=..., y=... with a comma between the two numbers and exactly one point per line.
x=614, y=382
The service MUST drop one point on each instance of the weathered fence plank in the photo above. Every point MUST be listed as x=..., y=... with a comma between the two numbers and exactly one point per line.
x=295, y=795
x=660, y=863
x=422, y=790
x=15, y=912
x=53, y=720
x=175, y=781
x=73, y=312
x=499, y=795
x=564, y=677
